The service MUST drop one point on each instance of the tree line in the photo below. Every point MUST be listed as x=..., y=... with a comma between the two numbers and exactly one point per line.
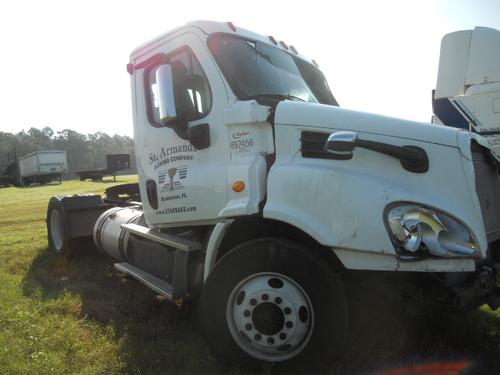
x=84, y=151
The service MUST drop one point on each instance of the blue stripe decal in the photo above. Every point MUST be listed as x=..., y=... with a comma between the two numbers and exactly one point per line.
x=464, y=112
x=448, y=114
x=493, y=132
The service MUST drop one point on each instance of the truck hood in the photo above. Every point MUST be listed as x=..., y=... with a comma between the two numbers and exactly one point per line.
x=336, y=118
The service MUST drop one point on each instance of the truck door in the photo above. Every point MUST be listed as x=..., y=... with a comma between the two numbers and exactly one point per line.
x=179, y=182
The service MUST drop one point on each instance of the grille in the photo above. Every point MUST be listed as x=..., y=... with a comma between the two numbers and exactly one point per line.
x=488, y=190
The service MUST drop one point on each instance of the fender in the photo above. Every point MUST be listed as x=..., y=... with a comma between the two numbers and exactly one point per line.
x=341, y=203
x=216, y=238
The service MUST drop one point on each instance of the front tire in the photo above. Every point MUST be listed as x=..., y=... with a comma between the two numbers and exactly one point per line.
x=272, y=300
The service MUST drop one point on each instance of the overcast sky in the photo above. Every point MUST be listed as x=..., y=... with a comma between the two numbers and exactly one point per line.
x=63, y=62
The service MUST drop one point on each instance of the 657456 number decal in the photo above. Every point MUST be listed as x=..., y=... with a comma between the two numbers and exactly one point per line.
x=242, y=145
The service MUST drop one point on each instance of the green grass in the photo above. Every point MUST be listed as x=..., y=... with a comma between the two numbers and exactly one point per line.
x=78, y=317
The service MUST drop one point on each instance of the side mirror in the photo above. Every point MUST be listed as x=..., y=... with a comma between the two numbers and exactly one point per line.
x=341, y=143
x=166, y=97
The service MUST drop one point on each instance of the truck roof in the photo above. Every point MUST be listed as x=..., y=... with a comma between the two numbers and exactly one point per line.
x=208, y=28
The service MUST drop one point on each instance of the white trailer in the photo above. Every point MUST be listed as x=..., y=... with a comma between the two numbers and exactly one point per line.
x=467, y=91
x=42, y=166
x=267, y=201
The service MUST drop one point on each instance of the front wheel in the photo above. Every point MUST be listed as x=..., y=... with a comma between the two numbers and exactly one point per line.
x=272, y=300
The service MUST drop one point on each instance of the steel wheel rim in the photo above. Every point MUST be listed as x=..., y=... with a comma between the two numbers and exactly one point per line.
x=56, y=230
x=270, y=317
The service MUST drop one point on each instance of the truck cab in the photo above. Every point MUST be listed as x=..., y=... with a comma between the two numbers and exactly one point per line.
x=260, y=197
x=225, y=87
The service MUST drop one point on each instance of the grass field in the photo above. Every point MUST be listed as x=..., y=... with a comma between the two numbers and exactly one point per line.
x=78, y=317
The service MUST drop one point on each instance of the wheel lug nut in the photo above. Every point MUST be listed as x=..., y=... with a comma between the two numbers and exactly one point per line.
x=283, y=336
x=287, y=310
x=289, y=324
x=265, y=297
x=278, y=300
x=270, y=341
x=246, y=313
x=248, y=326
x=257, y=337
x=253, y=302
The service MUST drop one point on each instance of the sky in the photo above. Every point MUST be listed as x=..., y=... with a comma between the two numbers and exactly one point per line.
x=63, y=63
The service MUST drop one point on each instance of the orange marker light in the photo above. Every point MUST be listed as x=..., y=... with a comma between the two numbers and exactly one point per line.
x=238, y=186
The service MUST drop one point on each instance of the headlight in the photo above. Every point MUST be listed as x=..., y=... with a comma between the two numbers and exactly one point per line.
x=418, y=229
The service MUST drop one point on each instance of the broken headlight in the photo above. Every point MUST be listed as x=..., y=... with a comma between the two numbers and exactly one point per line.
x=421, y=230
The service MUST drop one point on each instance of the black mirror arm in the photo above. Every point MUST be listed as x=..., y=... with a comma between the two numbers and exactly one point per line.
x=412, y=158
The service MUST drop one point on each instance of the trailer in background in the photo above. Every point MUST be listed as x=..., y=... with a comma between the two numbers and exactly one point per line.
x=40, y=167
x=114, y=163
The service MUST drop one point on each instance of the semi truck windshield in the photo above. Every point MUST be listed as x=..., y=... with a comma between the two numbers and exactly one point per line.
x=257, y=70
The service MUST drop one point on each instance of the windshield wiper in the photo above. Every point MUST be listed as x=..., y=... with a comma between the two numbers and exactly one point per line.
x=271, y=99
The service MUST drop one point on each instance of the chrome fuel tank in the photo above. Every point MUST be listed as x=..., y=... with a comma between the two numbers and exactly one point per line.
x=109, y=236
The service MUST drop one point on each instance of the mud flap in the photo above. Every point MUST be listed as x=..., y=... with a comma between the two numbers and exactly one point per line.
x=82, y=212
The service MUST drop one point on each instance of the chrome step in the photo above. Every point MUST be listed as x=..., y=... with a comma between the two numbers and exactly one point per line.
x=151, y=281
x=163, y=238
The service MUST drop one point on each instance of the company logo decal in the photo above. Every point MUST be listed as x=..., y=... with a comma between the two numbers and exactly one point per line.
x=167, y=155
x=171, y=178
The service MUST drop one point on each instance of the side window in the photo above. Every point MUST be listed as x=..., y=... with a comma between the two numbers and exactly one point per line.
x=192, y=92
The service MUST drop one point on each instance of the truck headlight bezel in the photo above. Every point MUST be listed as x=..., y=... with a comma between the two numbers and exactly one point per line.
x=419, y=230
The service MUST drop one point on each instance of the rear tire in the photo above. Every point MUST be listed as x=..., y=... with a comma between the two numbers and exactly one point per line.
x=270, y=301
x=58, y=236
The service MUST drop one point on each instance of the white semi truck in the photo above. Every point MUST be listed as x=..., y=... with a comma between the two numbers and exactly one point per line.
x=40, y=167
x=260, y=197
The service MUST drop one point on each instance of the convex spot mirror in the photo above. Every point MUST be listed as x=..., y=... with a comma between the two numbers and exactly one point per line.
x=166, y=97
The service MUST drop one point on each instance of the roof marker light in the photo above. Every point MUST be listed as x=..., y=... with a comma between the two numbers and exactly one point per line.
x=283, y=44
x=271, y=38
x=294, y=50
x=231, y=26
x=130, y=68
